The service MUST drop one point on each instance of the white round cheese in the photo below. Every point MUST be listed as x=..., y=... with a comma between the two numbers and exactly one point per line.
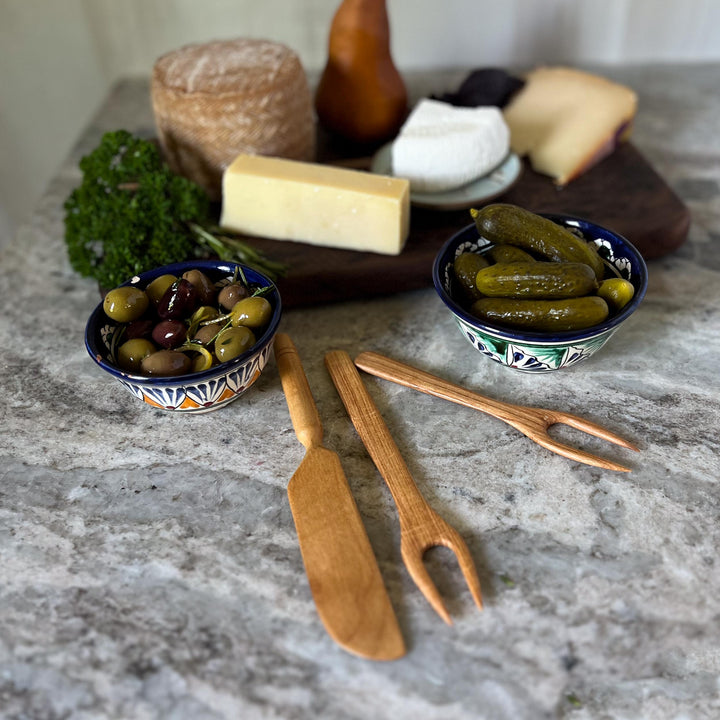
x=441, y=147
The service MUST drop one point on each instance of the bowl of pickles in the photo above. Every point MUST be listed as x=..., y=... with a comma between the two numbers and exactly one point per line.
x=188, y=337
x=538, y=292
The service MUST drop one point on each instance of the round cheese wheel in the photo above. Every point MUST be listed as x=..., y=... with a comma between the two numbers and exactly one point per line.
x=214, y=101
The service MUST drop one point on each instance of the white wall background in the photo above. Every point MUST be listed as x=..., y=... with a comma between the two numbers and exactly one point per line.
x=59, y=58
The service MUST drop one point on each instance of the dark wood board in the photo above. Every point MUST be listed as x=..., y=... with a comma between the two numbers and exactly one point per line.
x=623, y=193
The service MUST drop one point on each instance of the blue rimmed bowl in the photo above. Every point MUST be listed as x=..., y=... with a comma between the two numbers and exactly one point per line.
x=534, y=351
x=194, y=392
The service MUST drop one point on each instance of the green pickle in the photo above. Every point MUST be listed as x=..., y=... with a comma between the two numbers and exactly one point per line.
x=537, y=280
x=501, y=223
x=509, y=253
x=542, y=315
x=465, y=268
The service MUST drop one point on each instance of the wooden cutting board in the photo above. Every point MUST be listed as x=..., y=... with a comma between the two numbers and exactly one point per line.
x=622, y=193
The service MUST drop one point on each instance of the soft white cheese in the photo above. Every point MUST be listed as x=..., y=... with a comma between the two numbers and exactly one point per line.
x=441, y=147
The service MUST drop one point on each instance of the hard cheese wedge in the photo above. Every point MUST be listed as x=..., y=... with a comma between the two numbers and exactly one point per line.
x=567, y=120
x=312, y=203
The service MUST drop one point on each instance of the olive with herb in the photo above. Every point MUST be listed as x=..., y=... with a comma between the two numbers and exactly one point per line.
x=180, y=325
x=230, y=294
x=206, y=334
x=233, y=341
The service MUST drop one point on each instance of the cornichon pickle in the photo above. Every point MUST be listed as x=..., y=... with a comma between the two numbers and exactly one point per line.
x=542, y=315
x=465, y=269
x=508, y=253
x=536, y=280
x=616, y=292
x=512, y=225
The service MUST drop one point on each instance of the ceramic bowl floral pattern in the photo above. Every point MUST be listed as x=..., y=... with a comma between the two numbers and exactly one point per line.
x=542, y=352
x=195, y=392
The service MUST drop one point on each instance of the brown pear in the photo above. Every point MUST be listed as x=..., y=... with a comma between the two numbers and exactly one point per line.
x=361, y=95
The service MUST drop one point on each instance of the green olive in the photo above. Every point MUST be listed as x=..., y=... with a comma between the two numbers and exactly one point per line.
x=233, y=342
x=230, y=294
x=166, y=363
x=204, y=313
x=201, y=315
x=132, y=352
x=616, y=292
x=206, y=333
x=251, y=312
x=125, y=304
x=158, y=287
x=203, y=284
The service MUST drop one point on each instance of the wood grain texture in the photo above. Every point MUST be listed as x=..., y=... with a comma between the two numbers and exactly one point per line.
x=420, y=526
x=622, y=193
x=343, y=574
x=532, y=422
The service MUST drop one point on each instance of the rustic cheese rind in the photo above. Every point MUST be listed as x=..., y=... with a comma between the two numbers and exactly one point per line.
x=317, y=204
x=441, y=147
x=215, y=100
x=566, y=120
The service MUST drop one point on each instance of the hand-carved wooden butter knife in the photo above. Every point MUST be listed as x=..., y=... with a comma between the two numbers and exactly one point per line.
x=344, y=576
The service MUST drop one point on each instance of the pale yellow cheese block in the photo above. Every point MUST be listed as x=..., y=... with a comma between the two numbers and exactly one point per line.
x=566, y=120
x=307, y=202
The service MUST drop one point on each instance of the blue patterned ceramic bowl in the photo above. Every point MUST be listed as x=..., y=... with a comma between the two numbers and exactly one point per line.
x=195, y=392
x=542, y=352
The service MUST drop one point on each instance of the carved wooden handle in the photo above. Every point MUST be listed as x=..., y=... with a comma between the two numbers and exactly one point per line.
x=396, y=371
x=374, y=433
x=303, y=411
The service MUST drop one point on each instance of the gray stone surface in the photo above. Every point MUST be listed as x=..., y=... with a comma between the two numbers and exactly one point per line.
x=148, y=561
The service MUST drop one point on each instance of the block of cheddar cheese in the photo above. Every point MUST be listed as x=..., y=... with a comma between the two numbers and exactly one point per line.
x=317, y=204
x=567, y=120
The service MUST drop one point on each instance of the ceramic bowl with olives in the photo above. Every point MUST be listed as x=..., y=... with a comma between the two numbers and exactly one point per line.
x=188, y=337
x=532, y=311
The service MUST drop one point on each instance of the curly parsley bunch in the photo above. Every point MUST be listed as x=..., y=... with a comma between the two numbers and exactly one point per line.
x=131, y=213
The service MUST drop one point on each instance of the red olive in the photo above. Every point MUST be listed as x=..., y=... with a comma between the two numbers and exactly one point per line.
x=203, y=284
x=179, y=301
x=169, y=333
x=139, y=329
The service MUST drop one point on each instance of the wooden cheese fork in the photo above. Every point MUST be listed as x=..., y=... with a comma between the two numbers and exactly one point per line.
x=420, y=526
x=532, y=422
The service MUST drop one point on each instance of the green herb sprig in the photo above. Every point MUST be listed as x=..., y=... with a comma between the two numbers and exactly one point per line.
x=131, y=213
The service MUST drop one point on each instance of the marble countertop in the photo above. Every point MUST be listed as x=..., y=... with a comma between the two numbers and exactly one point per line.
x=149, y=566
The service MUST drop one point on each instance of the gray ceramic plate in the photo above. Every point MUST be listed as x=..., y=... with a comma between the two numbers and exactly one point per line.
x=489, y=186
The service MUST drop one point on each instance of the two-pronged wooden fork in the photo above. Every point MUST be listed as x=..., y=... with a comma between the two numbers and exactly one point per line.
x=420, y=526
x=532, y=422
